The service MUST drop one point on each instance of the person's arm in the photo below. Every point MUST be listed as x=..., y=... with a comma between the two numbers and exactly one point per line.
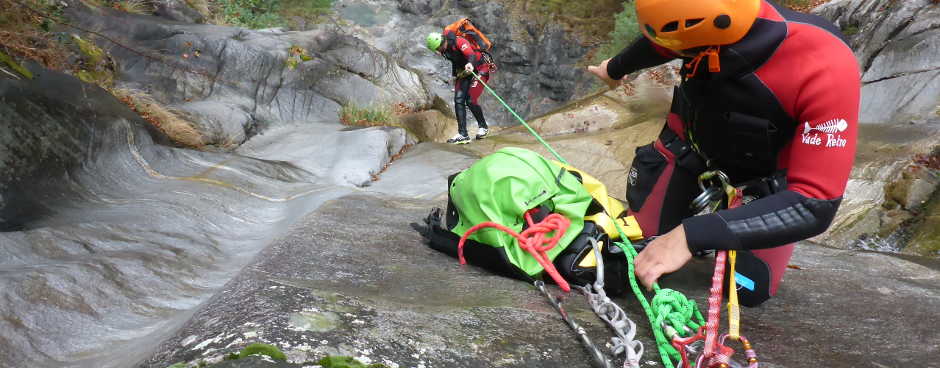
x=641, y=54
x=473, y=56
x=818, y=161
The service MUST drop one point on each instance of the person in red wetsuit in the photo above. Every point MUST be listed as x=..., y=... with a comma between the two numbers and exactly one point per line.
x=770, y=97
x=465, y=58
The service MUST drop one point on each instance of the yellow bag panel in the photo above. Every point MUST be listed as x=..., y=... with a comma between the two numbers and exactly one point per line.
x=612, y=206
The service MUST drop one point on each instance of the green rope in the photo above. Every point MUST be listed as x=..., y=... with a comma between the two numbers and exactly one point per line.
x=669, y=306
x=537, y=136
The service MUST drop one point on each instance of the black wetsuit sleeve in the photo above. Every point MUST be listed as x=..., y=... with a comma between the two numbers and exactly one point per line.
x=641, y=54
x=772, y=221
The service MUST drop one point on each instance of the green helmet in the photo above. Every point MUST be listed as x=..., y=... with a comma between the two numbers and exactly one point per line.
x=434, y=41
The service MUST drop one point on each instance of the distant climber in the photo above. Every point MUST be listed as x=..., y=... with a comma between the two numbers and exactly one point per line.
x=467, y=49
x=770, y=97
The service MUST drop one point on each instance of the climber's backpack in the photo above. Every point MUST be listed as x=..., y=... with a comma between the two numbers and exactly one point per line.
x=465, y=28
x=505, y=185
x=478, y=41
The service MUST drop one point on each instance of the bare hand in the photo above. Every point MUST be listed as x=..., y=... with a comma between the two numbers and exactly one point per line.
x=468, y=68
x=664, y=254
x=601, y=72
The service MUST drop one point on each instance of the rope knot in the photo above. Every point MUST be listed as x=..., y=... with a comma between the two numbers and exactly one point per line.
x=676, y=310
x=532, y=240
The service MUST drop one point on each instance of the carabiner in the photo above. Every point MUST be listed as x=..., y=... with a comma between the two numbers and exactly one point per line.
x=712, y=195
x=684, y=346
x=723, y=359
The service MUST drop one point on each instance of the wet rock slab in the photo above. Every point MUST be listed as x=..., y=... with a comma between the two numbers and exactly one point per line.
x=355, y=278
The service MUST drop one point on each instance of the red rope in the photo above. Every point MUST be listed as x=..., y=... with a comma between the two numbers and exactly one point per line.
x=532, y=240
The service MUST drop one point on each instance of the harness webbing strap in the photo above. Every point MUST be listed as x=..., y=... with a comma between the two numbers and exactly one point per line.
x=734, y=310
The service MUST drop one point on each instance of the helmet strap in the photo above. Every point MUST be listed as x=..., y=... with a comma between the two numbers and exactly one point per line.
x=714, y=64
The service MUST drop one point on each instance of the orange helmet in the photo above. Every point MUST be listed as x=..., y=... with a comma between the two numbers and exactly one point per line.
x=685, y=24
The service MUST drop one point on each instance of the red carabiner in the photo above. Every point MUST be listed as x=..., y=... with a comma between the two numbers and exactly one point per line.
x=682, y=345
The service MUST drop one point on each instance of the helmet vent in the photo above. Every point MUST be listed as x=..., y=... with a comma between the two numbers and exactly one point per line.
x=692, y=22
x=723, y=21
x=650, y=30
x=670, y=27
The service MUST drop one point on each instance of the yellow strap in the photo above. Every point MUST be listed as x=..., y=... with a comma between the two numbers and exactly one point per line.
x=734, y=314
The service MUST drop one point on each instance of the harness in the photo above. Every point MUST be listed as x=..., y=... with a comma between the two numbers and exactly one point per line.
x=715, y=353
x=456, y=57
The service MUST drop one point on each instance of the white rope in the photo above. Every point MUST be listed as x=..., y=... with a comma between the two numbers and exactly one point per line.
x=616, y=318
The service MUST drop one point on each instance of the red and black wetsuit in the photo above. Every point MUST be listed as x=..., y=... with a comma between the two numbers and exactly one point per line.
x=780, y=116
x=467, y=90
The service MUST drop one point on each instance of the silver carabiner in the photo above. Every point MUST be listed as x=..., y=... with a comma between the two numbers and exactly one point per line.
x=712, y=194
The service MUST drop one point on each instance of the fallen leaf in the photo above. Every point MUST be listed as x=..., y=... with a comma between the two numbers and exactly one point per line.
x=795, y=267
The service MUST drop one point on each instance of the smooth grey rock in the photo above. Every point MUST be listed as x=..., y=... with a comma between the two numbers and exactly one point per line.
x=225, y=125
x=422, y=171
x=177, y=10
x=897, y=45
x=338, y=155
x=343, y=283
x=110, y=236
x=48, y=123
x=247, y=70
x=420, y=7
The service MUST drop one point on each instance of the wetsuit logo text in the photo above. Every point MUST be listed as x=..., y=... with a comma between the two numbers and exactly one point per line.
x=830, y=129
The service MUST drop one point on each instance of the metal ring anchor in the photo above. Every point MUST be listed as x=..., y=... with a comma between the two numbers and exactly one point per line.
x=712, y=193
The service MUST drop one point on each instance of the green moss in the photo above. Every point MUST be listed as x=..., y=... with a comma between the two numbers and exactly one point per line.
x=271, y=13
x=345, y=362
x=93, y=54
x=625, y=31
x=851, y=30
x=6, y=59
x=926, y=240
x=295, y=56
x=263, y=349
x=179, y=365
x=896, y=192
x=299, y=13
x=95, y=63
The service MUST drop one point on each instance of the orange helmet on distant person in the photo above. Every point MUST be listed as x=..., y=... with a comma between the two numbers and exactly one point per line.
x=686, y=24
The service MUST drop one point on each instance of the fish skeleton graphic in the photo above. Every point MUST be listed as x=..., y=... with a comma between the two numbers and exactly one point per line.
x=831, y=126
